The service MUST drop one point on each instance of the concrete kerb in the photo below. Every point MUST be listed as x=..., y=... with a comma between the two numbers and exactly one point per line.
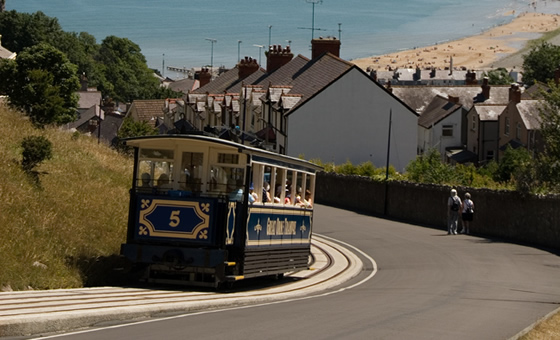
x=45, y=322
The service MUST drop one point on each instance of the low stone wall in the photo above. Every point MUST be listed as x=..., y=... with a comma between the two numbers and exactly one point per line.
x=520, y=218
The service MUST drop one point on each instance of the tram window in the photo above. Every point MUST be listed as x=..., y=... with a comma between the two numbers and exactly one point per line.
x=267, y=176
x=191, y=171
x=280, y=186
x=156, y=174
x=257, y=176
x=299, y=188
x=290, y=189
x=225, y=179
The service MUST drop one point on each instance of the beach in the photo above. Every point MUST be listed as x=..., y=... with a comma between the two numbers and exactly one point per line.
x=491, y=49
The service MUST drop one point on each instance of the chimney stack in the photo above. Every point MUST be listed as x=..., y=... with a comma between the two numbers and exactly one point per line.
x=515, y=93
x=277, y=57
x=453, y=99
x=203, y=76
x=389, y=88
x=470, y=78
x=485, y=88
x=322, y=45
x=83, y=82
x=246, y=67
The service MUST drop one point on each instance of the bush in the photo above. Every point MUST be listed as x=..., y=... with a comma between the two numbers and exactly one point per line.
x=36, y=149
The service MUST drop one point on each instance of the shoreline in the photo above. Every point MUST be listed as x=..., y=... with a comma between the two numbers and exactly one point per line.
x=495, y=46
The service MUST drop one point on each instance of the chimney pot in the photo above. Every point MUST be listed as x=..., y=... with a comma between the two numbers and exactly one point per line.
x=277, y=58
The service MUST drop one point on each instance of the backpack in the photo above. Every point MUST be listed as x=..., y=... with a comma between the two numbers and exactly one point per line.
x=470, y=209
x=455, y=205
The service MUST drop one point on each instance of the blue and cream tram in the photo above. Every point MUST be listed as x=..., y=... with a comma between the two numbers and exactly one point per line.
x=206, y=211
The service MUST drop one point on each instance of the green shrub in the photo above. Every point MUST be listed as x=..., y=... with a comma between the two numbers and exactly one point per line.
x=36, y=149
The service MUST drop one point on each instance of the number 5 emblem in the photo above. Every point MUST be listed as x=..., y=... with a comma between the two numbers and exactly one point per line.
x=174, y=218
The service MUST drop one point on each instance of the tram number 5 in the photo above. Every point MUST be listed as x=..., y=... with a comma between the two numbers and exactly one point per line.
x=174, y=218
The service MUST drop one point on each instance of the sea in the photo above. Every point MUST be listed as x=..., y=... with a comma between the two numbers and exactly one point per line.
x=198, y=33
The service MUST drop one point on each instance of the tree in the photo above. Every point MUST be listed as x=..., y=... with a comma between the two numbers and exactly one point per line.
x=23, y=30
x=36, y=149
x=42, y=83
x=131, y=128
x=127, y=77
x=541, y=62
x=499, y=76
x=428, y=168
x=549, y=160
x=513, y=162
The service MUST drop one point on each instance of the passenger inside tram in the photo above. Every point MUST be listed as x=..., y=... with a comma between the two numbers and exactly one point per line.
x=163, y=182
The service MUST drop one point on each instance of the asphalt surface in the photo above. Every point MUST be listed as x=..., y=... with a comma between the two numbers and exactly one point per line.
x=423, y=284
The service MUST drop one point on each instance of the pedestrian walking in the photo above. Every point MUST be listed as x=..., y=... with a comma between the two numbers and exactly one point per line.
x=467, y=213
x=453, y=207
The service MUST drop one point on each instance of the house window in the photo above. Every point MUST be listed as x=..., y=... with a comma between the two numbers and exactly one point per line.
x=473, y=122
x=447, y=131
x=490, y=154
x=506, y=129
x=518, y=131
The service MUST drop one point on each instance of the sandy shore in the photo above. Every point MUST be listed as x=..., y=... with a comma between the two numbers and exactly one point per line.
x=475, y=52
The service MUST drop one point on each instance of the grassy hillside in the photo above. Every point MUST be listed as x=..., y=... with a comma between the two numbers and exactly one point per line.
x=53, y=230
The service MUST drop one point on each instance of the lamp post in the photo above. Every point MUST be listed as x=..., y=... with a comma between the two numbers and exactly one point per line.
x=211, y=52
x=260, y=48
x=269, y=34
x=239, y=50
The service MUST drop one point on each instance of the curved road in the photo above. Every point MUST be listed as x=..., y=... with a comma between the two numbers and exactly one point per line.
x=428, y=286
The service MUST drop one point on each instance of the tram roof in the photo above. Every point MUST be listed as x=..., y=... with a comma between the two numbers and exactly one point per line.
x=138, y=141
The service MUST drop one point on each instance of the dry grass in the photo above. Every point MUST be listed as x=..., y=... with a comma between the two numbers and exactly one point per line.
x=545, y=330
x=76, y=211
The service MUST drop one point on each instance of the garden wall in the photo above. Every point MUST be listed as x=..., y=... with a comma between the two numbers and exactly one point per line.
x=503, y=214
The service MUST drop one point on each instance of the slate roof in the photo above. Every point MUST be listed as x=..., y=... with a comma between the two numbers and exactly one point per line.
x=534, y=91
x=88, y=99
x=147, y=110
x=85, y=116
x=184, y=85
x=6, y=54
x=529, y=112
x=418, y=97
x=489, y=112
x=439, y=108
x=229, y=82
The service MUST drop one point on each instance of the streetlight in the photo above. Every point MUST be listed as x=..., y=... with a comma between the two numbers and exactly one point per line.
x=212, y=52
x=260, y=48
x=238, y=50
x=269, y=32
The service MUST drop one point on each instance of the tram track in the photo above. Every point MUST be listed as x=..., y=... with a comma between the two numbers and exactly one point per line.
x=35, y=312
